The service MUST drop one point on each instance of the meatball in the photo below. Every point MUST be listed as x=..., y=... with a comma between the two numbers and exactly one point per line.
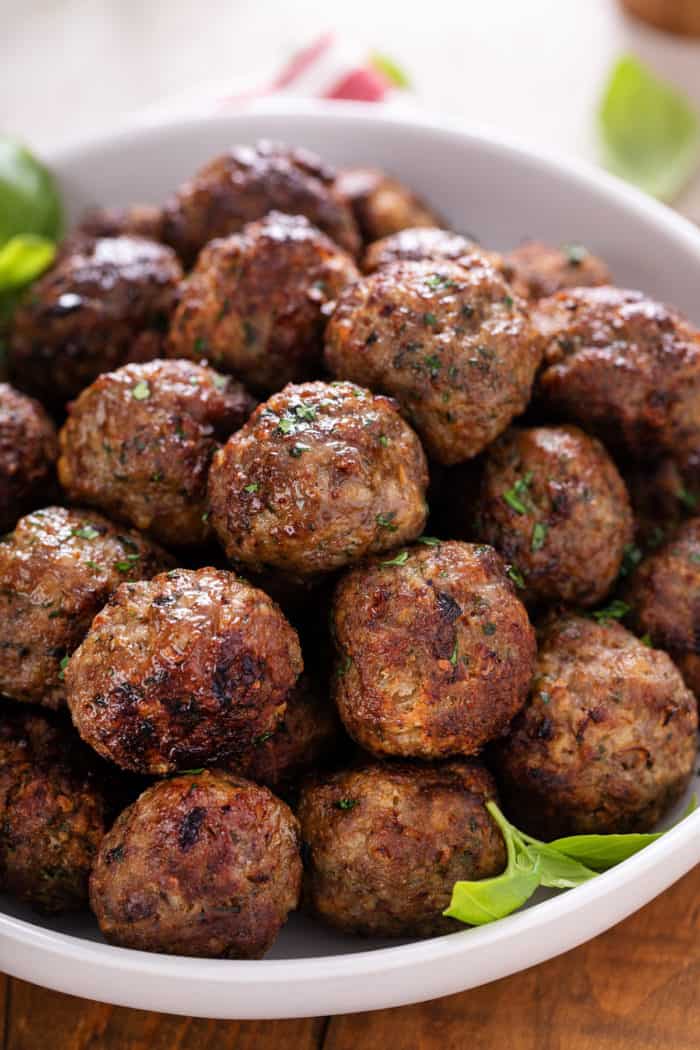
x=255, y=302
x=664, y=599
x=386, y=842
x=107, y=302
x=245, y=184
x=203, y=864
x=187, y=669
x=424, y=244
x=58, y=568
x=52, y=812
x=607, y=740
x=136, y=220
x=451, y=344
x=625, y=367
x=435, y=651
x=553, y=503
x=139, y=441
x=661, y=499
x=321, y=475
x=382, y=205
x=537, y=270
x=28, y=451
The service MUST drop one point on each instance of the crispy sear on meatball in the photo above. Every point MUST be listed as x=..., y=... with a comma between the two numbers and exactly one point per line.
x=607, y=740
x=28, y=450
x=554, y=505
x=625, y=367
x=138, y=444
x=202, y=864
x=255, y=302
x=135, y=220
x=664, y=599
x=536, y=269
x=58, y=568
x=423, y=244
x=451, y=344
x=385, y=843
x=107, y=302
x=187, y=669
x=435, y=651
x=245, y=184
x=381, y=204
x=661, y=499
x=322, y=474
x=52, y=812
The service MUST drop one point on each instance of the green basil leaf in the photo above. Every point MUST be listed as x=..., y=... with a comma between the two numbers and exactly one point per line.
x=650, y=134
x=558, y=871
x=29, y=199
x=23, y=258
x=393, y=72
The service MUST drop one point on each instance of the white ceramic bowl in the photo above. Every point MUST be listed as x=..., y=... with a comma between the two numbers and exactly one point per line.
x=501, y=192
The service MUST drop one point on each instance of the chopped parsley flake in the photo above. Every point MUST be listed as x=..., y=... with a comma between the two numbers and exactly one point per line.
x=539, y=535
x=285, y=425
x=305, y=412
x=430, y=320
x=508, y=301
x=400, y=559
x=63, y=664
x=438, y=280
x=646, y=640
x=513, y=573
x=219, y=381
x=386, y=521
x=346, y=803
x=383, y=440
x=455, y=655
x=253, y=487
x=615, y=611
x=631, y=557
x=434, y=364
x=429, y=541
x=515, y=497
x=86, y=532
x=343, y=668
x=127, y=564
x=297, y=450
x=200, y=346
x=141, y=391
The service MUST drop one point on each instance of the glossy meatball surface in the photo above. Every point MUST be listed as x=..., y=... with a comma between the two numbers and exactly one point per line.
x=183, y=670
x=451, y=344
x=28, y=450
x=139, y=441
x=136, y=220
x=664, y=599
x=381, y=204
x=625, y=367
x=423, y=244
x=435, y=651
x=58, y=569
x=200, y=865
x=385, y=843
x=254, y=303
x=536, y=269
x=245, y=184
x=107, y=302
x=607, y=740
x=553, y=503
x=322, y=474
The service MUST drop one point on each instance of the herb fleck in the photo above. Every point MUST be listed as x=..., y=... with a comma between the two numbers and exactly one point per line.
x=385, y=521
x=539, y=535
x=128, y=563
x=430, y=320
x=489, y=628
x=141, y=391
x=515, y=497
x=253, y=487
x=63, y=664
x=514, y=574
x=383, y=440
x=429, y=541
x=615, y=611
x=346, y=803
x=86, y=532
x=400, y=559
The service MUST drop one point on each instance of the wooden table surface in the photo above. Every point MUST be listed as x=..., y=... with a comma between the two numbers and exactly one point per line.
x=634, y=988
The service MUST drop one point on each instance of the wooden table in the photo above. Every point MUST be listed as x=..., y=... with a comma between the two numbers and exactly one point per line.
x=636, y=987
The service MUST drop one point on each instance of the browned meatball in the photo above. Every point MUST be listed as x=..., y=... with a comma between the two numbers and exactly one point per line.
x=381, y=204
x=105, y=303
x=28, y=451
x=435, y=651
x=52, y=812
x=385, y=843
x=661, y=498
x=139, y=441
x=200, y=865
x=553, y=503
x=136, y=220
x=537, y=270
x=322, y=474
x=451, y=344
x=58, y=568
x=607, y=740
x=255, y=302
x=664, y=599
x=248, y=182
x=424, y=244
x=625, y=367
x=187, y=669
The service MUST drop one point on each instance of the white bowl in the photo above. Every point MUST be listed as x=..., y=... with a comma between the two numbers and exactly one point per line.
x=502, y=192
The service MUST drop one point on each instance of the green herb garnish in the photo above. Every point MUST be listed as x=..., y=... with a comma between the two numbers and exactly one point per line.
x=346, y=803
x=385, y=521
x=86, y=532
x=430, y=320
x=141, y=391
x=63, y=664
x=253, y=487
x=429, y=541
x=631, y=557
x=515, y=497
x=615, y=611
x=513, y=573
x=539, y=535
x=128, y=563
x=400, y=559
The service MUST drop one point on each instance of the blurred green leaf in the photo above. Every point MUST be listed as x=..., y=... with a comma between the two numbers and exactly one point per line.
x=393, y=72
x=29, y=199
x=23, y=258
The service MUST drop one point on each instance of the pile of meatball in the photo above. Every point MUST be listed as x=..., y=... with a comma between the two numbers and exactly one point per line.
x=245, y=666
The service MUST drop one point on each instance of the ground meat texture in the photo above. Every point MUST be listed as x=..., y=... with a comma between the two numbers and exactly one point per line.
x=385, y=843
x=451, y=344
x=435, y=651
x=553, y=503
x=58, y=568
x=28, y=451
x=322, y=474
x=664, y=599
x=188, y=669
x=537, y=270
x=382, y=205
x=625, y=367
x=423, y=244
x=248, y=182
x=661, y=499
x=52, y=812
x=203, y=864
x=106, y=303
x=136, y=220
x=255, y=302
x=138, y=444
x=607, y=740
